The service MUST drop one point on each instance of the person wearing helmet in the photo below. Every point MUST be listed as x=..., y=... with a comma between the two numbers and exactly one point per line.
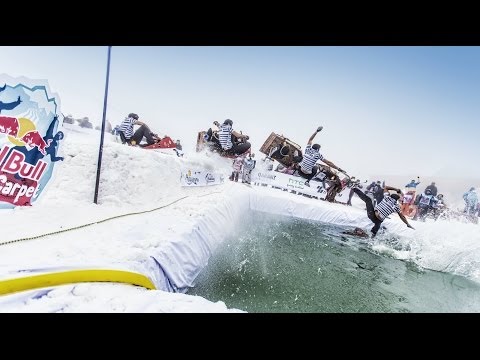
x=432, y=188
x=378, y=213
x=225, y=134
x=424, y=203
x=131, y=138
x=307, y=168
x=280, y=151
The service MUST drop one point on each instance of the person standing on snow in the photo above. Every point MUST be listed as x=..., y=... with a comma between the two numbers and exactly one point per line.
x=237, y=167
x=248, y=166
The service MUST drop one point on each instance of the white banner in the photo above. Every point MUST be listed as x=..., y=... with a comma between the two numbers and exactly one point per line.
x=201, y=178
x=289, y=182
x=296, y=183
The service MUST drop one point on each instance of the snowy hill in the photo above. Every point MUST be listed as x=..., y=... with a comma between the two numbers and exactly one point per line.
x=132, y=180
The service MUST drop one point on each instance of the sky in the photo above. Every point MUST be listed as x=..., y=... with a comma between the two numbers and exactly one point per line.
x=385, y=110
x=149, y=215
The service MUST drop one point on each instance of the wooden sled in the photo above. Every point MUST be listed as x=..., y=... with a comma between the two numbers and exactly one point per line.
x=274, y=140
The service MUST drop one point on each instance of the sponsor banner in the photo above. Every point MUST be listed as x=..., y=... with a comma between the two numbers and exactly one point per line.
x=289, y=182
x=30, y=138
x=201, y=178
x=296, y=183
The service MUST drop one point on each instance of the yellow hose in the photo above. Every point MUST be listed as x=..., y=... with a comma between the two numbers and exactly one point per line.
x=74, y=276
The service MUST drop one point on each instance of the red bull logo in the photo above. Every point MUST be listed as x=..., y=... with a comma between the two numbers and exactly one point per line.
x=12, y=127
x=9, y=125
x=30, y=119
x=33, y=138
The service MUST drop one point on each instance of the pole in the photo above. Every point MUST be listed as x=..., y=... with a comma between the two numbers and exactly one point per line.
x=100, y=150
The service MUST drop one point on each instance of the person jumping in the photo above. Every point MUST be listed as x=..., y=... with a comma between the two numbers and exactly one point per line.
x=307, y=168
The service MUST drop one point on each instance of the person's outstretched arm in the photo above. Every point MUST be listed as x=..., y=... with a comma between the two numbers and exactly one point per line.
x=404, y=219
x=313, y=135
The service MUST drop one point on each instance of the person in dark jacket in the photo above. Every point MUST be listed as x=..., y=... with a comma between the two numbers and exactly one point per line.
x=178, y=146
x=432, y=188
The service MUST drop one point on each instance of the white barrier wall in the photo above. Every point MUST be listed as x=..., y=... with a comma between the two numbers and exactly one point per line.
x=176, y=264
x=296, y=183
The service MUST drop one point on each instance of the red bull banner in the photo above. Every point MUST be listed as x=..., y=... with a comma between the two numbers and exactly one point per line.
x=30, y=137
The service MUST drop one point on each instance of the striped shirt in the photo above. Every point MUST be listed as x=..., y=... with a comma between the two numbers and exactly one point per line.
x=309, y=159
x=386, y=207
x=225, y=136
x=127, y=127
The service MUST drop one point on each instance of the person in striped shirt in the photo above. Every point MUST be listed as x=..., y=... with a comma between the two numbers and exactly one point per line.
x=307, y=168
x=126, y=127
x=383, y=209
x=225, y=132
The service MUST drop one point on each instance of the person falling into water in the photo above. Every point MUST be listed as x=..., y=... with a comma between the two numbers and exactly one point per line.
x=378, y=213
